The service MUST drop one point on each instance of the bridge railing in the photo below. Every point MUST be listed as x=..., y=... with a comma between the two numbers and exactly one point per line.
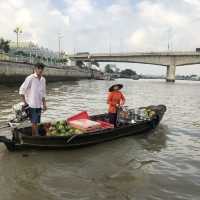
x=30, y=60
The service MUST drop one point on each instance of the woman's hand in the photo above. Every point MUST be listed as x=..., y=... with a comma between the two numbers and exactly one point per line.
x=122, y=103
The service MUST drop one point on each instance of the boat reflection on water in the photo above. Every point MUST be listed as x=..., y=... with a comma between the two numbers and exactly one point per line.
x=156, y=140
x=107, y=77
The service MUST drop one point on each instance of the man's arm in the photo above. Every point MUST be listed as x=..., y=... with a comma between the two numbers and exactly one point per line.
x=23, y=99
x=44, y=103
x=44, y=95
x=23, y=89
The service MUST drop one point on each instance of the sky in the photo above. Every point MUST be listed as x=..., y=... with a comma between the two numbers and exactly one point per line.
x=103, y=26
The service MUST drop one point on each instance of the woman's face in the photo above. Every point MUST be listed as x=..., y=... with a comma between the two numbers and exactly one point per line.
x=116, y=88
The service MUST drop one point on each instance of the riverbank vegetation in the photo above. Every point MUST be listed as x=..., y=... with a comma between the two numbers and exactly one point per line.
x=4, y=45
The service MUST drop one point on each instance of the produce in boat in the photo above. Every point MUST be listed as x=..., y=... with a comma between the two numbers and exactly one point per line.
x=60, y=128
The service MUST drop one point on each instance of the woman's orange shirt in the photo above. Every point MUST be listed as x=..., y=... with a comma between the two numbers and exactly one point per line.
x=115, y=98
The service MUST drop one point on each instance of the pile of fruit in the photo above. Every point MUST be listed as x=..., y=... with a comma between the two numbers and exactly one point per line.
x=150, y=113
x=60, y=128
x=146, y=113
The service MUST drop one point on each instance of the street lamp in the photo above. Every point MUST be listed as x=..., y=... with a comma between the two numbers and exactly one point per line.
x=169, y=35
x=109, y=41
x=59, y=44
x=120, y=45
x=17, y=31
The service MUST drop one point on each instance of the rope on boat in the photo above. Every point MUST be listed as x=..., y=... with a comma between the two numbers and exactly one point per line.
x=71, y=138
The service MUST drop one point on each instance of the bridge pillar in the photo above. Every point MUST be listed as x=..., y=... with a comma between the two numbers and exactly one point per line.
x=171, y=71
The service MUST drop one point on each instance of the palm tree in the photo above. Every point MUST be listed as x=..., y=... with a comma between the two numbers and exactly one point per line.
x=4, y=45
x=18, y=31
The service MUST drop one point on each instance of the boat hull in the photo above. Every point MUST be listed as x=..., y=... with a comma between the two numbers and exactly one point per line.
x=23, y=142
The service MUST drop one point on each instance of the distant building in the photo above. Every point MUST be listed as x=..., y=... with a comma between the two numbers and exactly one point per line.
x=32, y=49
x=188, y=77
x=13, y=45
x=152, y=76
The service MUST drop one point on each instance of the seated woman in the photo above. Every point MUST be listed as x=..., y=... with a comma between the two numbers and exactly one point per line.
x=115, y=100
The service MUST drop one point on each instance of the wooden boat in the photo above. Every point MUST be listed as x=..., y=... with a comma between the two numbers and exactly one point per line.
x=22, y=139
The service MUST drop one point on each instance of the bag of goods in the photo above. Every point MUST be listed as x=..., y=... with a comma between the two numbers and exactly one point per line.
x=81, y=115
x=142, y=113
x=85, y=124
x=123, y=114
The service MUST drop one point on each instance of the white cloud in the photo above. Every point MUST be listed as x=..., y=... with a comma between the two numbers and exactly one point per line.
x=137, y=38
x=17, y=4
x=121, y=25
x=23, y=18
x=39, y=20
x=157, y=14
x=193, y=2
x=79, y=8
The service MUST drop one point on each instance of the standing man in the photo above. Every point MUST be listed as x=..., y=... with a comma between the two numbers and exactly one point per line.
x=33, y=92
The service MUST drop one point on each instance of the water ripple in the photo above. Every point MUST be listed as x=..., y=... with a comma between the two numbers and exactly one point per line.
x=163, y=164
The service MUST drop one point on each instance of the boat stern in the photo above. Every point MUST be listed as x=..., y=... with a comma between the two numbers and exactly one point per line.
x=8, y=143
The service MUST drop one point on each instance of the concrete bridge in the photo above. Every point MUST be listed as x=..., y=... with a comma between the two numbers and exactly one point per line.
x=168, y=59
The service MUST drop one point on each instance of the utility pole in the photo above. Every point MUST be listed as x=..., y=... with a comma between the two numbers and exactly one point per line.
x=74, y=42
x=18, y=31
x=168, y=47
x=109, y=47
x=109, y=42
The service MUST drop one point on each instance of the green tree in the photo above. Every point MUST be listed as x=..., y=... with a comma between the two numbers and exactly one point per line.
x=117, y=70
x=127, y=73
x=108, y=69
x=5, y=45
x=80, y=63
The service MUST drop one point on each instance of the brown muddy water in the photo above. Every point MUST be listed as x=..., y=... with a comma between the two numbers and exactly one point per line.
x=164, y=164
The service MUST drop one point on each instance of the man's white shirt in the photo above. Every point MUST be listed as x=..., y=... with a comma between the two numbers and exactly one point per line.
x=34, y=90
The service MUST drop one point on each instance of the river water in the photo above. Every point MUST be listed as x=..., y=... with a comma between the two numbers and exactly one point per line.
x=163, y=164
